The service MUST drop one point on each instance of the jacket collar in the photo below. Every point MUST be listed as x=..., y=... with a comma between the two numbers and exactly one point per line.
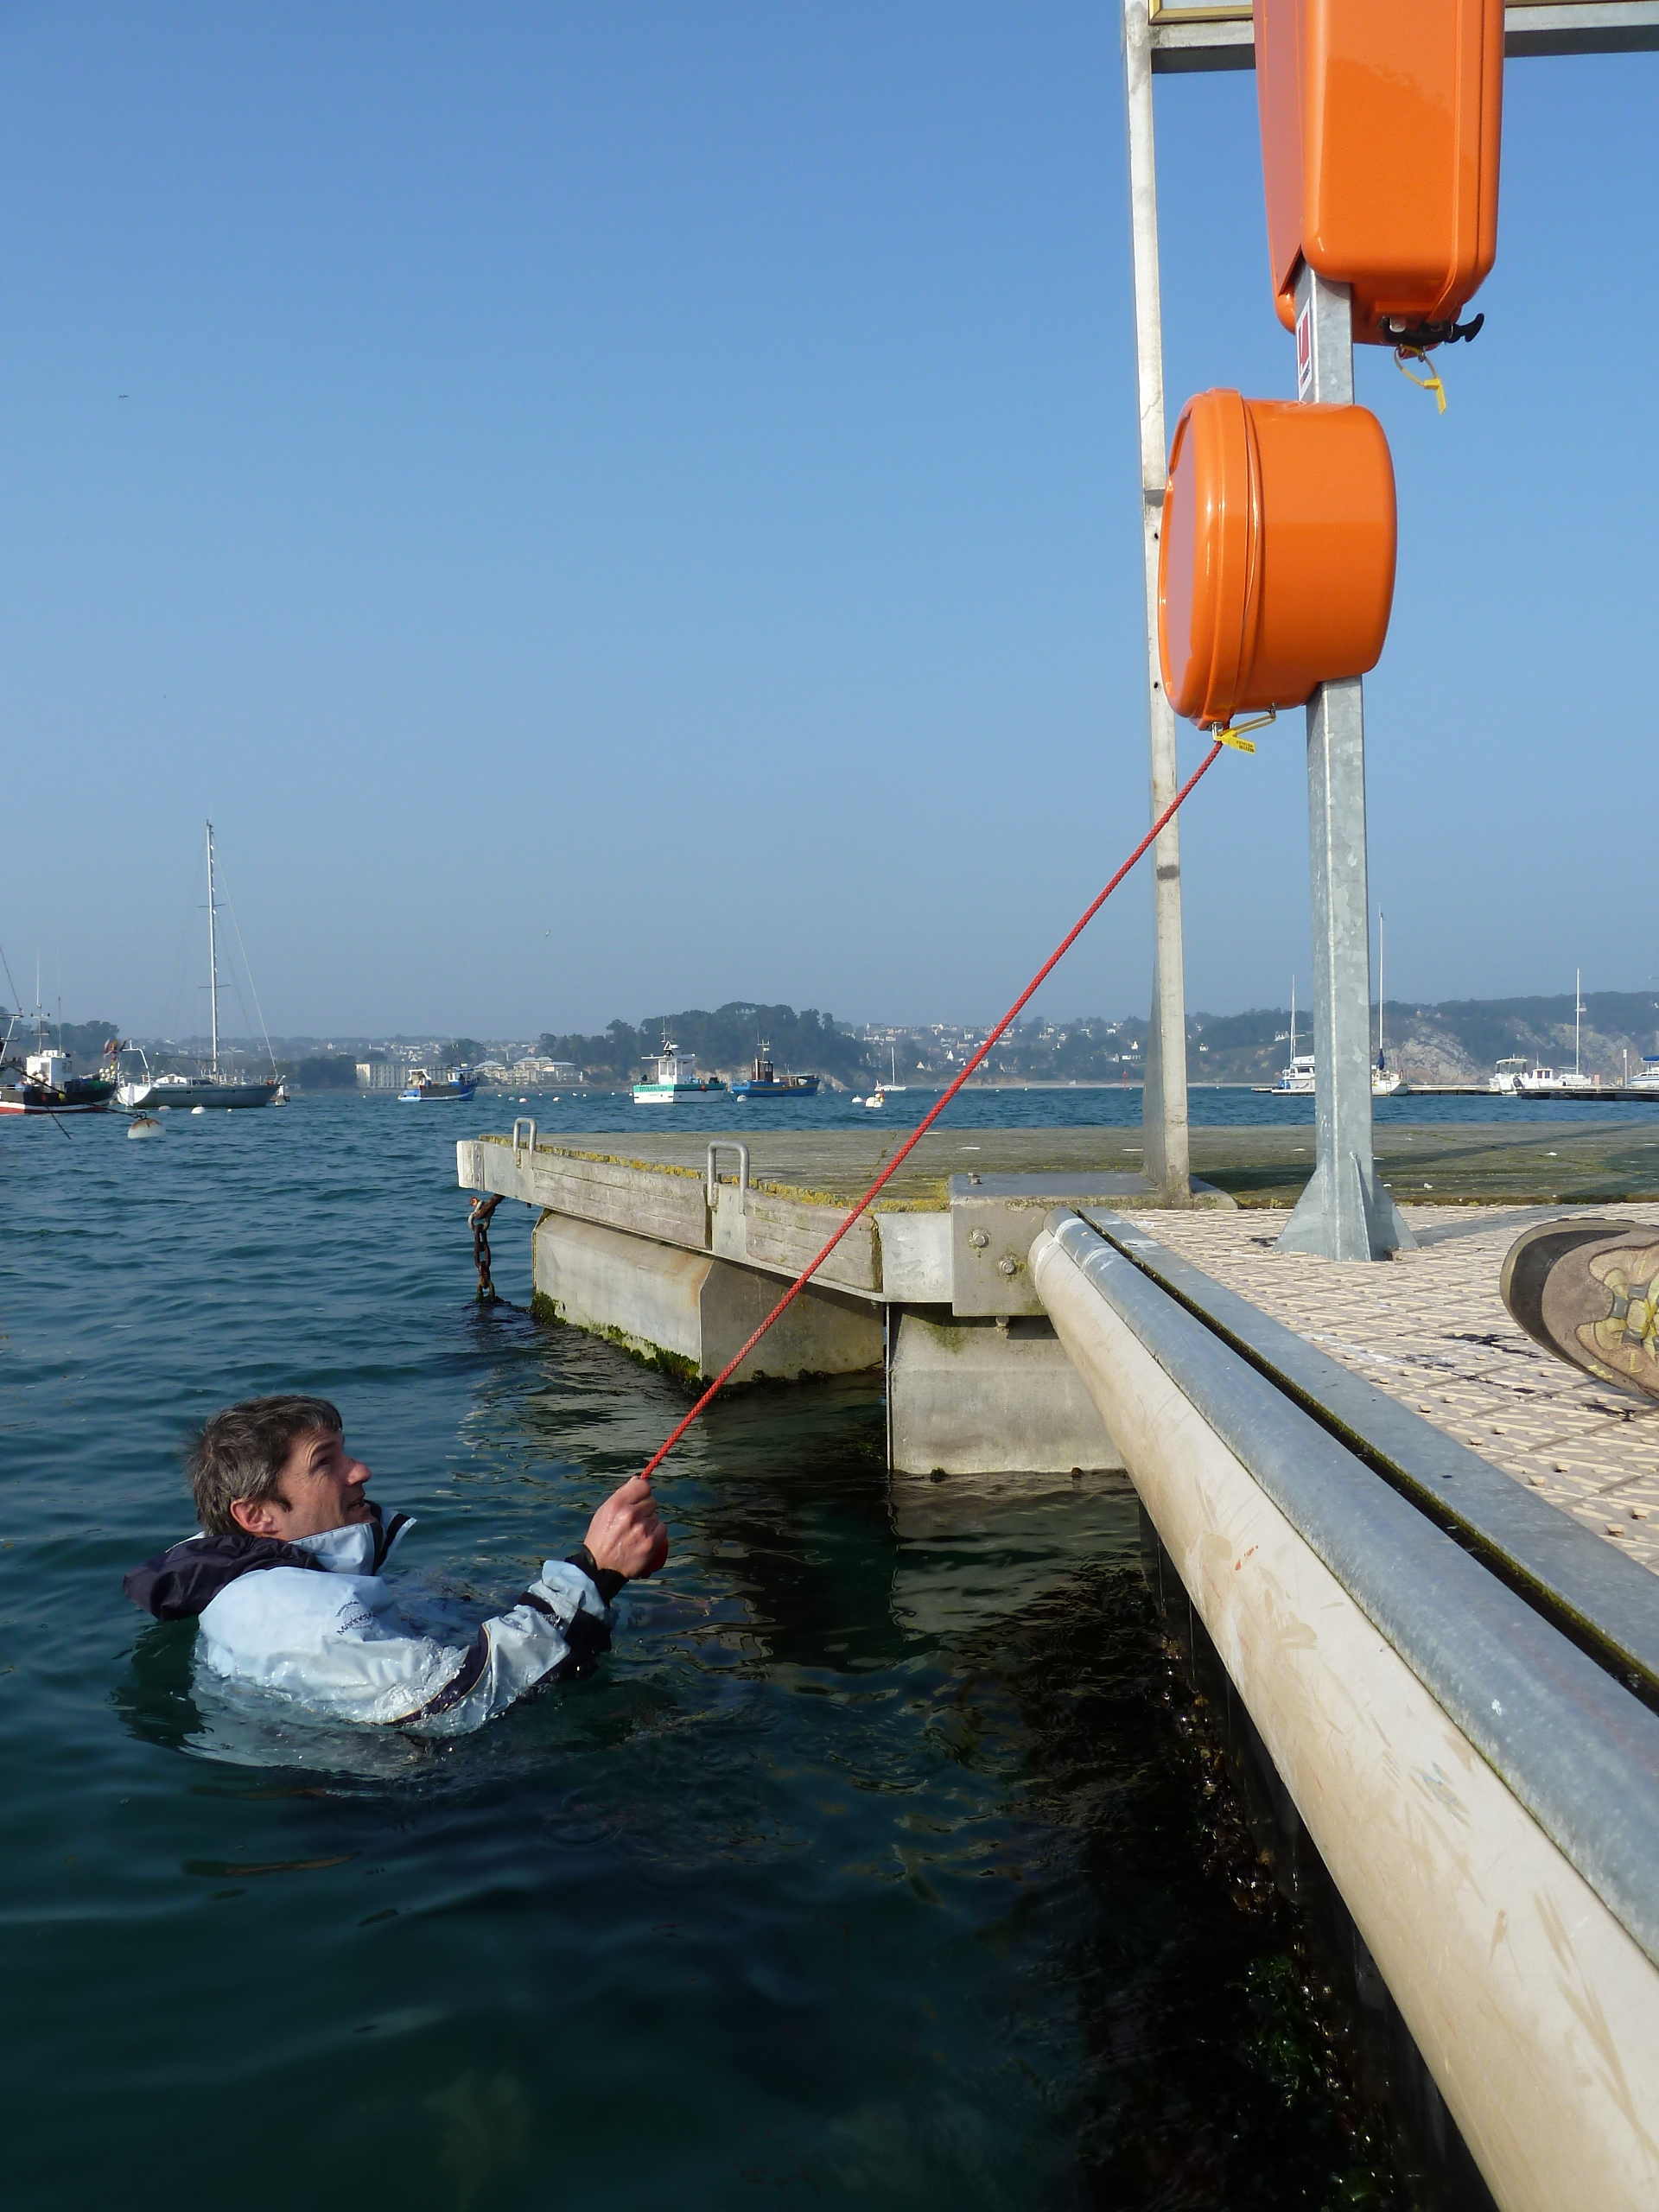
x=360, y=1547
x=185, y=1579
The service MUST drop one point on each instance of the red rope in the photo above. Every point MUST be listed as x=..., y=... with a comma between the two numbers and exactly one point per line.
x=933, y=1116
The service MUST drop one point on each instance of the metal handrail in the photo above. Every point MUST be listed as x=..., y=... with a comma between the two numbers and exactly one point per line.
x=712, y=1178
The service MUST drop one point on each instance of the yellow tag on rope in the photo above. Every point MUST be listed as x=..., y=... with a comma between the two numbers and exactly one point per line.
x=1233, y=733
x=1430, y=382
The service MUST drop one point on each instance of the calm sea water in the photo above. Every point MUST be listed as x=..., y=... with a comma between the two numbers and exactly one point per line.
x=1113, y=1107
x=876, y=1866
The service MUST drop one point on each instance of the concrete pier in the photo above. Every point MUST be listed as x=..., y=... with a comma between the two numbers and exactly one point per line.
x=678, y=1249
x=642, y=1240
x=1423, y=1555
x=1454, y=1680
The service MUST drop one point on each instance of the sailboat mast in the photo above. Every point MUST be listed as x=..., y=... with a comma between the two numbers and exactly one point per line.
x=213, y=956
x=1577, y=1008
x=1379, y=988
x=1293, y=1017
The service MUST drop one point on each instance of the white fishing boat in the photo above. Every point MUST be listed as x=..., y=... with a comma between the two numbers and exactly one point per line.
x=1385, y=1081
x=1296, y=1080
x=1546, y=1082
x=1505, y=1077
x=1300, y=1079
x=676, y=1080
x=44, y=1081
x=1649, y=1078
x=1553, y=1082
x=209, y=1087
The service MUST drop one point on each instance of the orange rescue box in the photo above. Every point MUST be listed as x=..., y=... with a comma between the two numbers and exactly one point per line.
x=1380, y=133
x=1275, y=560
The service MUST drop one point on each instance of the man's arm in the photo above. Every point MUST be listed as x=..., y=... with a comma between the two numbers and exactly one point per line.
x=567, y=1609
x=315, y=1636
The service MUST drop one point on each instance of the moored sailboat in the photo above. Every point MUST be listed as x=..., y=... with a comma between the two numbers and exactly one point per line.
x=209, y=1087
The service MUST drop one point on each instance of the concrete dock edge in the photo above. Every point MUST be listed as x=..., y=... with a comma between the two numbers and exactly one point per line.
x=1486, y=1797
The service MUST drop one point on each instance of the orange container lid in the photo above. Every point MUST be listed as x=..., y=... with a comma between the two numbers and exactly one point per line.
x=1381, y=130
x=1276, y=553
x=1206, y=557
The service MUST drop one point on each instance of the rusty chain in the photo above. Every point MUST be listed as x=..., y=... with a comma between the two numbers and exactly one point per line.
x=478, y=1214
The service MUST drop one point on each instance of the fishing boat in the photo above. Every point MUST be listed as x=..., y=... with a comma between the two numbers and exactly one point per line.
x=1297, y=1079
x=45, y=1082
x=1505, y=1077
x=764, y=1082
x=1649, y=1078
x=676, y=1080
x=1546, y=1082
x=1385, y=1081
x=455, y=1083
x=1300, y=1079
x=209, y=1086
x=1554, y=1083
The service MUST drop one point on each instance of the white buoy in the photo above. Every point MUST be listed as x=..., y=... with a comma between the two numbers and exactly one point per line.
x=198, y=1110
x=143, y=1125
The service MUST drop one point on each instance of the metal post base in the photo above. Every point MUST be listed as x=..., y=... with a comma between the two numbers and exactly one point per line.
x=1360, y=1220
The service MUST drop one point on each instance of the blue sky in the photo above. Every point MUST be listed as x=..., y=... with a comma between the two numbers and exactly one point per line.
x=629, y=506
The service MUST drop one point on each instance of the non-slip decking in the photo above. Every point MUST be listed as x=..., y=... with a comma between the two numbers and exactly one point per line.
x=1429, y=1329
x=1493, y=1162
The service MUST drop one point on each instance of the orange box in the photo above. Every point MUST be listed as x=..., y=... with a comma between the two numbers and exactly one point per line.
x=1276, y=559
x=1380, y=124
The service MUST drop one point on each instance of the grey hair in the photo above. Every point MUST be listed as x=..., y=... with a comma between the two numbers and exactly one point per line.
x=240, y=1453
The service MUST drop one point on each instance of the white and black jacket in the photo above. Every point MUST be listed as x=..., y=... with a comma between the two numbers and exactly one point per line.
x=316, y=1620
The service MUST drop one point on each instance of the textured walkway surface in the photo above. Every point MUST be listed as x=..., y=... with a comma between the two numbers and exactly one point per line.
x=1430, y=1329
x=1514, y=1162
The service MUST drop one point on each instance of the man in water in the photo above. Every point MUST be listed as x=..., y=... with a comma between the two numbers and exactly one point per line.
x=285, y=1577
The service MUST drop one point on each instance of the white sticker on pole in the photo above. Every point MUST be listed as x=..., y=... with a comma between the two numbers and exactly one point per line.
x=1305, y=350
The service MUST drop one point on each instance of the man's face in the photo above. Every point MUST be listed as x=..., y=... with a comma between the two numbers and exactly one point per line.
x=321, y=1487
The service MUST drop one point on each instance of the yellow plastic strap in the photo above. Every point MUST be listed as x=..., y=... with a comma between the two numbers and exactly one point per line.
x=1232, y=734
x=1430, y=382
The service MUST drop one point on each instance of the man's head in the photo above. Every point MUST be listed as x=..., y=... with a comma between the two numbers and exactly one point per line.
x=277, y=1467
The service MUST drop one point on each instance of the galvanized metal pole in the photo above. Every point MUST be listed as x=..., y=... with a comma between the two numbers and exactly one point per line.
x=1163, y=1106
x=1344, y=1213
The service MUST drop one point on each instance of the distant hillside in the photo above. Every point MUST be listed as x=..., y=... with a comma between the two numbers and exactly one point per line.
x=1456, y=1041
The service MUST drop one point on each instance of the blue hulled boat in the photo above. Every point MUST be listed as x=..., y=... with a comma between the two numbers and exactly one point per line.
x=766, y=1082
x=455, y=1083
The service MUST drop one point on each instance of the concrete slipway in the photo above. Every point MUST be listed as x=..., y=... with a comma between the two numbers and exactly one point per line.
x=1415, y=1551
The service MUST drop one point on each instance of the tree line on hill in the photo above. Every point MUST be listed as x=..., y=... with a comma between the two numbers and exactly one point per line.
x=729, y=1037
x=1456, y=1040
